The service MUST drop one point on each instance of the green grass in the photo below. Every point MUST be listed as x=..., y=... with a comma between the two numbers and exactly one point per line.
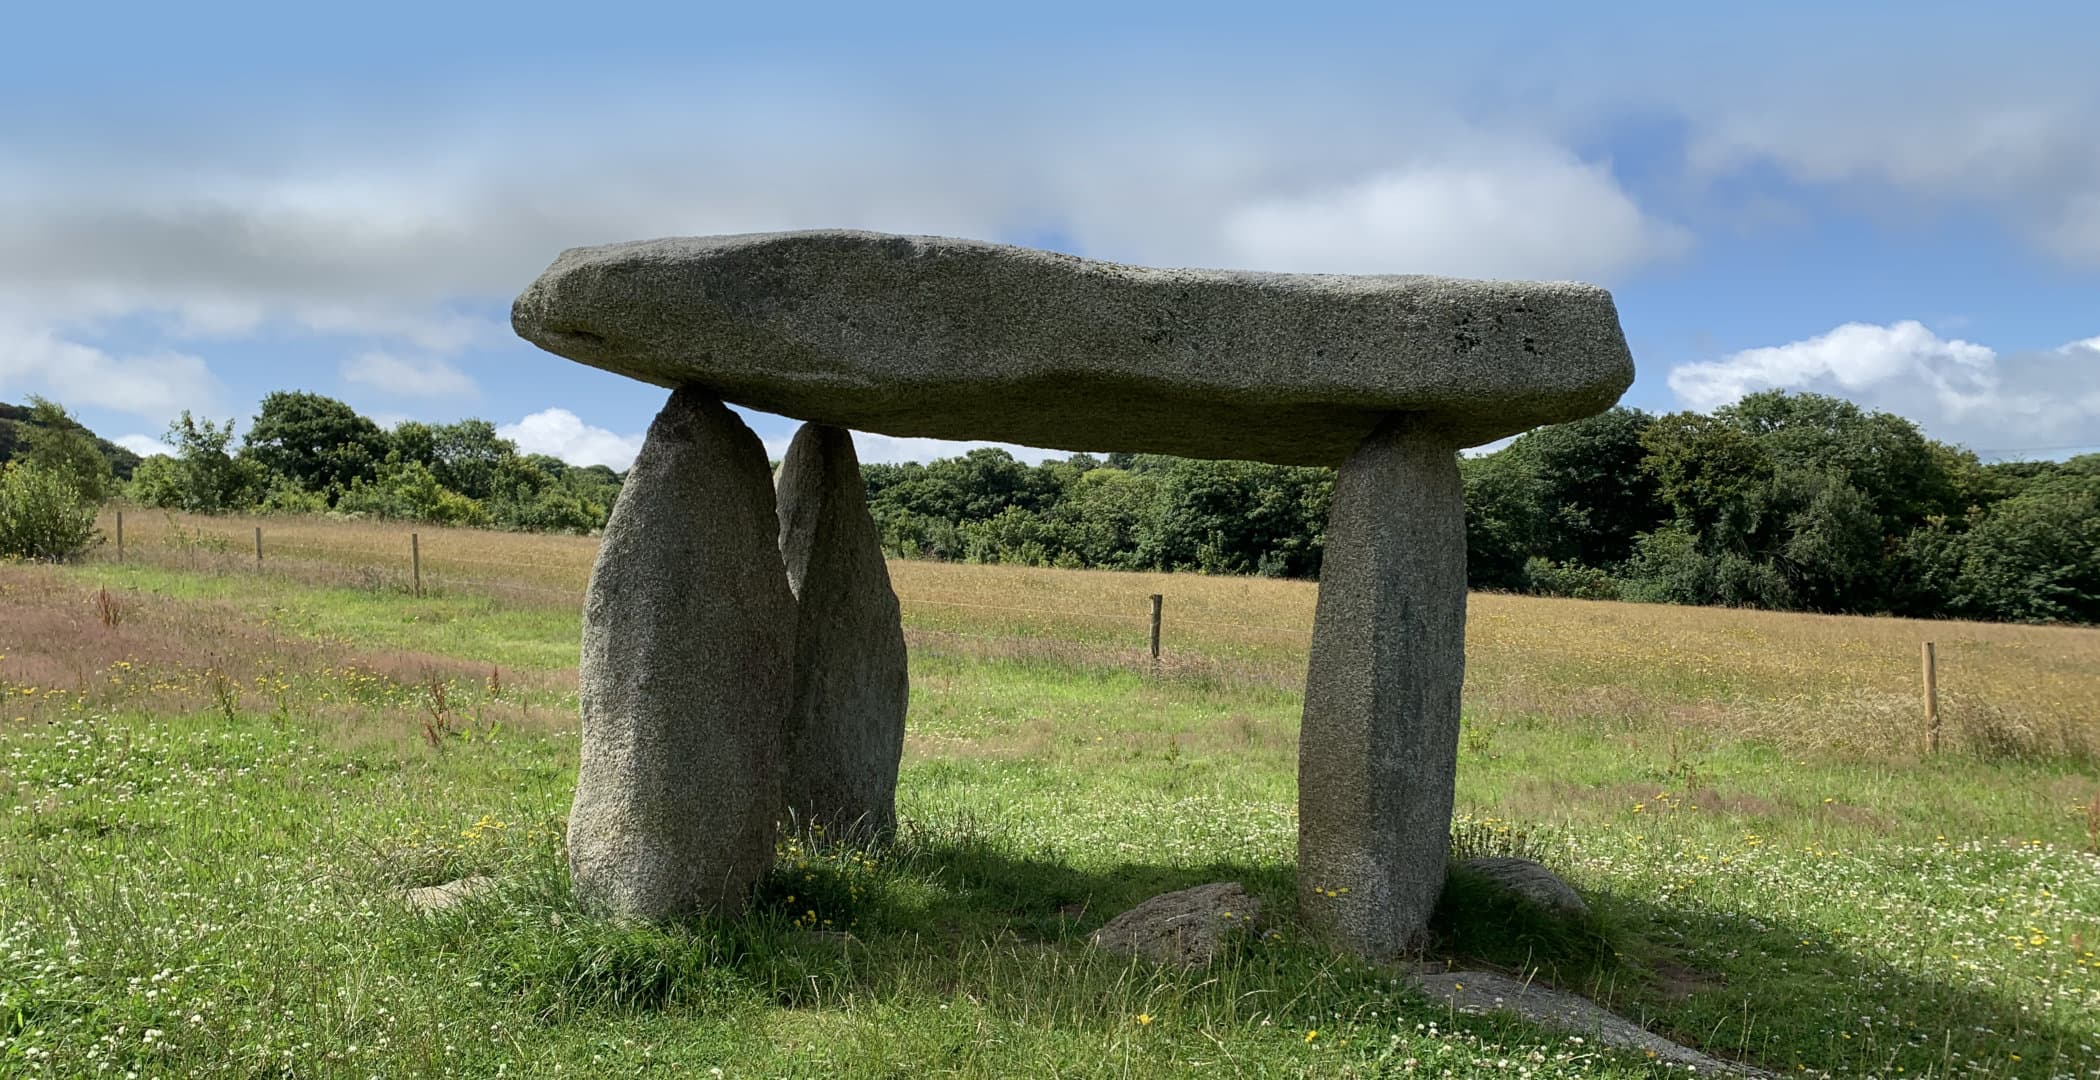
x=186, y=892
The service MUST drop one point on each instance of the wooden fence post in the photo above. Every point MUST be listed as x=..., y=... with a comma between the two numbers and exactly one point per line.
x=1157, y=600
x=120, y=536
x=415, y=561
x=258, y=547
x=1932, y=701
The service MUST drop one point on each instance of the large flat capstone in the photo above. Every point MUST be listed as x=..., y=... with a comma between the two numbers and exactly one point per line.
x=957, y=339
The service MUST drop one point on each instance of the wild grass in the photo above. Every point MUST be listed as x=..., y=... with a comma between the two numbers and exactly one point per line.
x=210, y=805
x=1808, y=682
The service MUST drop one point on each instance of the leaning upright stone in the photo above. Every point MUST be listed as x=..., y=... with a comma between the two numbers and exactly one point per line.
x=687, y=647
x=845, y=732
x=1378, y=749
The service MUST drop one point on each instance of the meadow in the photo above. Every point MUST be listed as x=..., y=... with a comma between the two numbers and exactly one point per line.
x=217, y=778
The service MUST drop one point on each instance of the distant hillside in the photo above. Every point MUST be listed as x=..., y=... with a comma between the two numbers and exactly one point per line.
x=12, y=417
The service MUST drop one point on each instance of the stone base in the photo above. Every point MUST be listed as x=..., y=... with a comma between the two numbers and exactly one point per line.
x=688, y=643
x=1378, y=748
x=845, y=729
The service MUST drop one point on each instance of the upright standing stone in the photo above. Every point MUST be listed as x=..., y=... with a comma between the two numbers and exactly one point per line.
x=845, y=731
x=1378, y=750
x=686, y=675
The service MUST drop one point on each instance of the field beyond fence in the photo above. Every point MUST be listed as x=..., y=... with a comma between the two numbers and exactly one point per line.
x=1822, y=682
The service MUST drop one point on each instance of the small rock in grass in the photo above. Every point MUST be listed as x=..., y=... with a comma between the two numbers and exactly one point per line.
x=1188, y=928
x=449, y=895
x=1478, y=992
x=1528, y=880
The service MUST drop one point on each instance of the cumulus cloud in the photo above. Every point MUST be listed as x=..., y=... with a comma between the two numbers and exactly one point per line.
x=144, y=445
x=561, y=433
x=872, y=447
x=154, y=385
x=1956, y=390
x=2026, y=154
x=424, y=377
x=393, y=238
x=1525, y=211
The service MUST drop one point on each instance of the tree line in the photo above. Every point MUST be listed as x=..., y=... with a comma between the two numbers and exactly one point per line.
x=1786, y=501
x=1796, y=502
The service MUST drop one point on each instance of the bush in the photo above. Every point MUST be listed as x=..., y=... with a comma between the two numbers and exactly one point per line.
x=1574, y=580
x=42, y=516
x=286, y=496
x=408, y=491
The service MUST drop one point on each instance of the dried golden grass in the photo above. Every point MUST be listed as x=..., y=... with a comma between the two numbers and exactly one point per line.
x=1810, y=681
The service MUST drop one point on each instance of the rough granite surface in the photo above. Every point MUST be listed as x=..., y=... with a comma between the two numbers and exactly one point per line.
x=449, y=895
x=845, y=731
x=1378, y=745
x=957, y=339
x=688, y=641
x=1186, y=928
x=1479, y=992
x=1531, y=881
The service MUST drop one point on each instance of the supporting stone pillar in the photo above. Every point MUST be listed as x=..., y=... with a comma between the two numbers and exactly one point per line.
x=686, y=675
x=1378, y=749
x=845, y=731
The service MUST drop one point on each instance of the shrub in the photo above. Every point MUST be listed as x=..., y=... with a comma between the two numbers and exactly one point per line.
x=1548, y=578
x=286, y=496
x=408, y=491
x=42, y=516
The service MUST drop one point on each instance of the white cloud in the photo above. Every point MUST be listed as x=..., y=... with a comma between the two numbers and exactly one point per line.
x=1956, y=390
x=390, y=239
x=154, y=385
x=403, y=377
x=144, y=445
x=871, y=447
x=2024, y=153
x=1526, y=211
x=1852, y=358
x=561, y=433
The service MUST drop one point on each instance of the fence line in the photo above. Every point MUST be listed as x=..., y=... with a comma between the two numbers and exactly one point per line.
x=1031, y=611
x=287, y=557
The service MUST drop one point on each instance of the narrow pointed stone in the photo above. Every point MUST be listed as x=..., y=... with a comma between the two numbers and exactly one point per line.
x=686, y=675
x=845, y=730
x=1378, y=748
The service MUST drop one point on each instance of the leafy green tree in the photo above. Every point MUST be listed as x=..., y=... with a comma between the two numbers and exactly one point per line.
x=1712, y=475
x=467, y=456
x=159, y=481
x=1593, y=494
x=1831, y=554
x=542, y=493
x=1881, y=455
x=409, y=491
x=1505, y=518
x=203, y=477
x=1102, y=516
x=1238, y=517
x=43, y=515
x=52, y=440
x=2035, y=557
x=318, y=442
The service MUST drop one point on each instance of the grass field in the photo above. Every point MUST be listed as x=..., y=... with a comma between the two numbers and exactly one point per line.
x=217, y=778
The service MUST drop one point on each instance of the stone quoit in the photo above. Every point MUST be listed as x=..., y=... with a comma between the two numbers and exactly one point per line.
x=958, y=339
x=1384, y=376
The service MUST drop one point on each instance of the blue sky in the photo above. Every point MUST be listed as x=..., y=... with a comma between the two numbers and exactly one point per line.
x=1897, y=203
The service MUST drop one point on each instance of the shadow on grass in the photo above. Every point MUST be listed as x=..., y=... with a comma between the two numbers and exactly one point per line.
x=947, y=914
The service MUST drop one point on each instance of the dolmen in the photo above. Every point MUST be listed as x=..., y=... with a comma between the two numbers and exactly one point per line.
x=743, y=663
